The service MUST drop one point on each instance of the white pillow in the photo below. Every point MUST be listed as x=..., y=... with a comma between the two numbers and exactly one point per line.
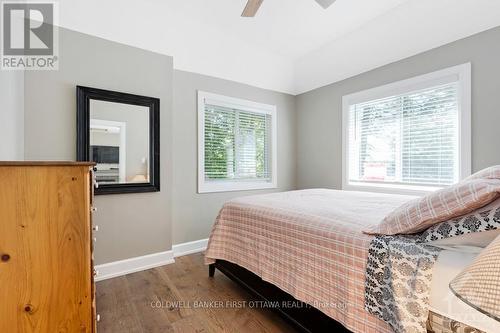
x=472, y=243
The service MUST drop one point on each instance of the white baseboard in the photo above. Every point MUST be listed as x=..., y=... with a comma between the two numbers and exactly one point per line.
x=132, y=265
x=190, y=247
x=137, y=264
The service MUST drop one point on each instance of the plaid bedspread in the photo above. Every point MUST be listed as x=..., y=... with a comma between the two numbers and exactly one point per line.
x=308, y=243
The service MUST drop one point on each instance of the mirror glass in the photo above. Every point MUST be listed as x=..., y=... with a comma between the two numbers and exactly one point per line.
x=119, y=142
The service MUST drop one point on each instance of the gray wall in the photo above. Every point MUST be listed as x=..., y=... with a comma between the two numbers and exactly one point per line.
x=137, y=224
x=194, y=214
x=319, y=112
x=11, y=115
x=309, y=129
x=130, y=225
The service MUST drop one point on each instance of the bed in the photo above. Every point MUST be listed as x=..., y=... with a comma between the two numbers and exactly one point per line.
x=304, y=255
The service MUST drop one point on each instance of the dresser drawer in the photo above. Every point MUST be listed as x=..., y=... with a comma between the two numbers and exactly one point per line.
x=46, y=241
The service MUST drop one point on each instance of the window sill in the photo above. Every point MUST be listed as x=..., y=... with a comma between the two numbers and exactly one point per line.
x=226, y=186
x=415, y=190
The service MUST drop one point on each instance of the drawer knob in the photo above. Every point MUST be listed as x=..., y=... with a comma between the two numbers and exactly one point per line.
x=5, y=257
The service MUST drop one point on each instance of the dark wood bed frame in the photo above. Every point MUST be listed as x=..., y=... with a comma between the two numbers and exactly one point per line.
x=301, y=315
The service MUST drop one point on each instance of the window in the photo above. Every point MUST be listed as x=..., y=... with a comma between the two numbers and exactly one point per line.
x=236, y=144
x=411, y=136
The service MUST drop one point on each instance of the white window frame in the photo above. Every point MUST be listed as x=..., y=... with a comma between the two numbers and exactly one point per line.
x=205, y=186
x=460, y=74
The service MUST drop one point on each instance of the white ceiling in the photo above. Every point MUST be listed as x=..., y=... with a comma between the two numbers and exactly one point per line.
x=291, y=45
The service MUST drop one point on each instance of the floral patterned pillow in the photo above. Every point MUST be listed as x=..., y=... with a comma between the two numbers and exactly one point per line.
x=485, y=219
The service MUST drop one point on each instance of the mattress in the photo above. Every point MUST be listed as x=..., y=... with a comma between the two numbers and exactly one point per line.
x=309, y=243
x=443, y=302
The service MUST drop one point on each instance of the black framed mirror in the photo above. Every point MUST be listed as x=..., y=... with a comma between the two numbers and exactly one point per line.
x=120, y=132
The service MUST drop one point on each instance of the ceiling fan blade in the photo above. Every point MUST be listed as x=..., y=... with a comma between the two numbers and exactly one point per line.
x=251, y=8
x=325, y=3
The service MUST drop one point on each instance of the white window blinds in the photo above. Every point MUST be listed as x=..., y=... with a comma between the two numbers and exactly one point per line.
x=412, y=138
x=237, y=144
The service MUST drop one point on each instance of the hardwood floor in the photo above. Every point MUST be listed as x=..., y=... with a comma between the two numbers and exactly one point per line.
x=180, y=298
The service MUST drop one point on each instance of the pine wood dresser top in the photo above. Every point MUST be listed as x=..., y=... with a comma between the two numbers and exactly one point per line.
x=45, y=163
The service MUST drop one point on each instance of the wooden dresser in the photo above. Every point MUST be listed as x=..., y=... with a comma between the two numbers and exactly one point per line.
x=46, y=259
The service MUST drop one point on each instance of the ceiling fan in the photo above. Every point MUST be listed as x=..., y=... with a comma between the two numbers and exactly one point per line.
x=253, y=6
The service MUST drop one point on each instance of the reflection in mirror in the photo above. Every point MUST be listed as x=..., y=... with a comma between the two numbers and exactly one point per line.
x=119, y=142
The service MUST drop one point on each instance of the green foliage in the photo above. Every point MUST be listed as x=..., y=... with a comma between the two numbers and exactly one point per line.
x=235, y=144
